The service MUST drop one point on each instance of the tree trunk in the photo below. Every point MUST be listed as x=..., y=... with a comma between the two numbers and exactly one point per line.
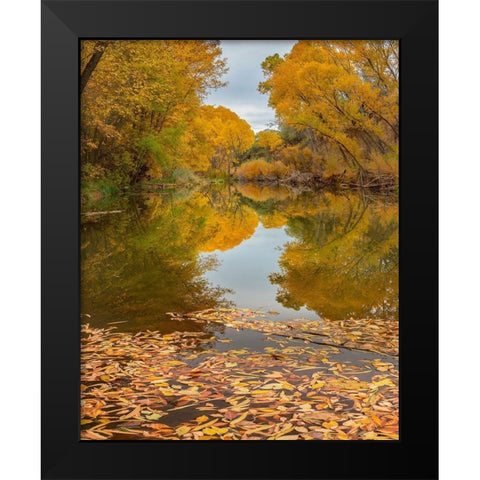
x=98, y=51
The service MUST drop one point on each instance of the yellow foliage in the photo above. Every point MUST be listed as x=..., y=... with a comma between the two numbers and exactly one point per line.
x=229, y=229
x=301, y=158
x=274, y=220
x=226, y=135
x=140, y=104
x=261, y=193
x=279, y=169
x=343, y=93
x=269, y=140
x=261, y=168
x=254, y=169
x=342, y=267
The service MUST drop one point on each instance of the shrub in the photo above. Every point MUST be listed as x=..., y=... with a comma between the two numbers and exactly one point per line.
x=254, y=169
x=384, y=164
x=180, y=176
x=301, y=158
x=279, y=169
x=257, y=169
x=92, y=172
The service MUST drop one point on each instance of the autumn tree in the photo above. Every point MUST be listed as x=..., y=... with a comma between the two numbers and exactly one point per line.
x=228, y=135
x=140, y=99
x=269, y=140
x=343, y=94
x=91, y=55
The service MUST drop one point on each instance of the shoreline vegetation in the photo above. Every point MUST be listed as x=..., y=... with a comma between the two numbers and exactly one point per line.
x=306, y=181
x=145, y=121
x=296, y=182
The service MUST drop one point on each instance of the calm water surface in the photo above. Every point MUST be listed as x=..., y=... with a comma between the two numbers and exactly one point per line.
x=307, y=255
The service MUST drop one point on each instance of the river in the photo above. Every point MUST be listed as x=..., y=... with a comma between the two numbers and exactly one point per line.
x=320, y=363
x=296, y=255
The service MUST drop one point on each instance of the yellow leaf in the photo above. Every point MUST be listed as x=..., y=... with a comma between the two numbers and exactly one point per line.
x=239, y=419
x=331, y=424
x=182, y=430
x=376, y=419
x=273, y=386
x=208, y=424
x=288, y=428
x=385, y=382
x=258, y=429
x=219, y=431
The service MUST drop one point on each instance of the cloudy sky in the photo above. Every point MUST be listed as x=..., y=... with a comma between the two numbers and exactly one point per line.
x=244, y=58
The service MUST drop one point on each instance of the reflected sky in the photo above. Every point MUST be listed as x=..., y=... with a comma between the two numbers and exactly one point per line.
x=246, y=269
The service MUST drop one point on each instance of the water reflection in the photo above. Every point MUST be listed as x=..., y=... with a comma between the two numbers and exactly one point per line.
x=343, y=259
x=138, y=265
x=336, y=255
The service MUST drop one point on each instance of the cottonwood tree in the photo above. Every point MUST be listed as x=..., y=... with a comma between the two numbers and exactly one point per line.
x=344, y=92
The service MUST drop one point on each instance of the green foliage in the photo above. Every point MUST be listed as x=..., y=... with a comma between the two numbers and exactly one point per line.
x=151, y=145
x=181, y=176
x=104, y=188
x=290, y=135
x=92, y=172
x=268, y=67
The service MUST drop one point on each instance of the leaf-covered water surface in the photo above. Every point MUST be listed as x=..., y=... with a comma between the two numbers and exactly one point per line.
x=199, y=386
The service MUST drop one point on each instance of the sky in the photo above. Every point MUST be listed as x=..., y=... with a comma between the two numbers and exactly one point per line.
x=244, y=59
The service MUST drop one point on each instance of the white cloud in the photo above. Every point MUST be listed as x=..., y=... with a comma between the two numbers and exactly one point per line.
x=244, y=58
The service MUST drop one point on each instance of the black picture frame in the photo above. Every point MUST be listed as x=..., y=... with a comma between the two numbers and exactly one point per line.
x=415, y=24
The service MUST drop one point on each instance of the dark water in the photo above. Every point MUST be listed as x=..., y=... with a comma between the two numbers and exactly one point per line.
x=306, y=255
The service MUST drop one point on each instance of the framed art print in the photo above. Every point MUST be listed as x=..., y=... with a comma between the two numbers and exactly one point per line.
x=239, y=239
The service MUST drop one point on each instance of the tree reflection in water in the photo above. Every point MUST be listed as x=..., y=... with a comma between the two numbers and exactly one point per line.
x=341, y=260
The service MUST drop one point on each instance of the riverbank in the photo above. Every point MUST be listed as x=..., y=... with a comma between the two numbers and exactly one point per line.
x=364, y=180
x=297, y=182
x=195, y=386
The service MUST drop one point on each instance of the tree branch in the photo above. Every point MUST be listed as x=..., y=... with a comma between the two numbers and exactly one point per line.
x=98, y=51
